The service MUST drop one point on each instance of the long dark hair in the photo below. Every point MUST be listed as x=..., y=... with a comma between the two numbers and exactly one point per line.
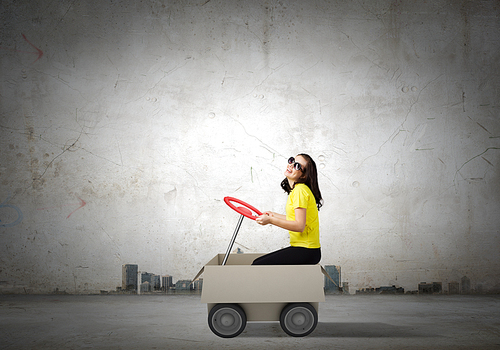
x=309, y=178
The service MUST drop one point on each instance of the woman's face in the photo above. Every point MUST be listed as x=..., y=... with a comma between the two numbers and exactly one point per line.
x=291, y=173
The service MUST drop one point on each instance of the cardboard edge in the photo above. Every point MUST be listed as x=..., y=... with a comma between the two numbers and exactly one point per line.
x=198, y=274
x=327, y=275
x=322, y=270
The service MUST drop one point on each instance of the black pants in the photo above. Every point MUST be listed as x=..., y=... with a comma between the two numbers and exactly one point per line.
x=290, y=256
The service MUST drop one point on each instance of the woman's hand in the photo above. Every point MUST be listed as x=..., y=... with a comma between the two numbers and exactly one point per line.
x=264, y=219
x=297, y=225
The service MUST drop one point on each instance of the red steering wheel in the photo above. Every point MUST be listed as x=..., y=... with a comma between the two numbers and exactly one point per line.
x=246, y=210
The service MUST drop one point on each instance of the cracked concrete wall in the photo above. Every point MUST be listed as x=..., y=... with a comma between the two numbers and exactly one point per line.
x=124, y=124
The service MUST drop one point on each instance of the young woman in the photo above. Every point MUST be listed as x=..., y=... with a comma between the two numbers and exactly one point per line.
x=301, y=219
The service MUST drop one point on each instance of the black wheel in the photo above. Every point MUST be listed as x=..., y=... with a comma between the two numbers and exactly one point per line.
x=298, y=320
x=227, y=320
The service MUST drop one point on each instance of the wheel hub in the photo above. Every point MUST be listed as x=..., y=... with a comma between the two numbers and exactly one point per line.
x=227, y=320
x=298, y=319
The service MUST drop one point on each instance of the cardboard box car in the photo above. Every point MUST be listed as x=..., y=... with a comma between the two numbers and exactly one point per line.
x=261, y=291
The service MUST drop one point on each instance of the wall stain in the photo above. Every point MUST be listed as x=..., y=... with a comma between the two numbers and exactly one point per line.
x=38, y=51
x=19, y=214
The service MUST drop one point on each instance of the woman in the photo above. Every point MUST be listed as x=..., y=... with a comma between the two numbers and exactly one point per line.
x=301, y=220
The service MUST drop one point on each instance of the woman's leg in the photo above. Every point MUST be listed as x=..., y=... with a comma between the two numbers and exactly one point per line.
x=290, y=256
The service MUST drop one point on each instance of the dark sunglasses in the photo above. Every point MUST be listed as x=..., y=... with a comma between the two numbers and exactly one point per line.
x=296, y=165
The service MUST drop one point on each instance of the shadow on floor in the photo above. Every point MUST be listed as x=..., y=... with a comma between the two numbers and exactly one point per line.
x=339, y=330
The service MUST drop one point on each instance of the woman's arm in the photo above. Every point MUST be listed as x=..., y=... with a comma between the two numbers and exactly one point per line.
x=271, y=213
x=279, y=220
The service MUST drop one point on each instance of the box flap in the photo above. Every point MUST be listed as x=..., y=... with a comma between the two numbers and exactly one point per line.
x=199, y=274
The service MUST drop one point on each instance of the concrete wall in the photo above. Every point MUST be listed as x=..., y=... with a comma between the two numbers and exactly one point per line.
x=124, y=124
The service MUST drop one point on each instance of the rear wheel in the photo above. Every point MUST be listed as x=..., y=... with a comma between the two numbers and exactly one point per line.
x=227, y=320
x=298, y=320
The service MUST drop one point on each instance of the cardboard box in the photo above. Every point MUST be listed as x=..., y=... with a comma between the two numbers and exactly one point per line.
x=261, y=291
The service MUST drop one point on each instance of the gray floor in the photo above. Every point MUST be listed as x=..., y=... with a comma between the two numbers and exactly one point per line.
x=180, y=322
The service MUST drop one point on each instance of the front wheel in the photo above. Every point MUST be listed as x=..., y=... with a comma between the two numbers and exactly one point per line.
x=227, y=320
x=299, y=319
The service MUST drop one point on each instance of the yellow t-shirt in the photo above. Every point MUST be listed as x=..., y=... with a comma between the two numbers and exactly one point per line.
x=302, y=197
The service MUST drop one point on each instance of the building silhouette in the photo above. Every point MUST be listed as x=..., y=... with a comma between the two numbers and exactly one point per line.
x=184, y=285
x=166, y=282
x=146, y=277
x=334, y=272
x=198, y=284
x=156, y=282
x=145, y=287
x=129, y=277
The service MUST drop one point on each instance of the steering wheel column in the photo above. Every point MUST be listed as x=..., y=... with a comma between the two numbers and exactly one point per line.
x=246, y=211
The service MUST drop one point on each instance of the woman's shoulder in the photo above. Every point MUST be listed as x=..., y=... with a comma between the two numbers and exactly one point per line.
x=300, y=187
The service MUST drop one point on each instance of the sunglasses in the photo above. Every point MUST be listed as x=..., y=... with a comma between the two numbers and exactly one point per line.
x=296, y=165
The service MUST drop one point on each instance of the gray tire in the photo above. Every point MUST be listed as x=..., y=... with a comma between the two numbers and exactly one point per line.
x=227, y=320
x=298, y=319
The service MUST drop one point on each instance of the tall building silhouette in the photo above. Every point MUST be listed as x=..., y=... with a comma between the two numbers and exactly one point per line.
x=166, y=282
x=129, y=276
x=156, y=282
